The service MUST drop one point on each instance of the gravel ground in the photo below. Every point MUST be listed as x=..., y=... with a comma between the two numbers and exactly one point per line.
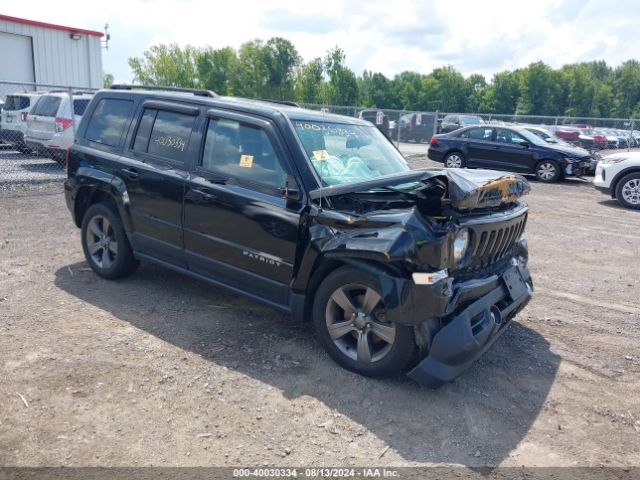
x=163, y=370
x=19, y=169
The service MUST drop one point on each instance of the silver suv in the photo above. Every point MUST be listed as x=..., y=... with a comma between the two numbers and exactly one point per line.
x=50, y=130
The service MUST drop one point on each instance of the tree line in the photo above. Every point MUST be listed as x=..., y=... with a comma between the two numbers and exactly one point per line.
x=275, y=70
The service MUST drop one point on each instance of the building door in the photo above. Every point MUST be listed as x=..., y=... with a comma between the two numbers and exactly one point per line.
x=16, y=58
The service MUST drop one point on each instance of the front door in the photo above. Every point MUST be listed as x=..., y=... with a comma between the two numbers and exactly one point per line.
x=240, y=224
x=511, y=154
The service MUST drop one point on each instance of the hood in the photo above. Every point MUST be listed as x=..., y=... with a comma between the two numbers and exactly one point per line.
x=567, y=150
x=465, y=189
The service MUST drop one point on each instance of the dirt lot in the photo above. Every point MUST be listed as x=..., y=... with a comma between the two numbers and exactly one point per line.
x=161, y=370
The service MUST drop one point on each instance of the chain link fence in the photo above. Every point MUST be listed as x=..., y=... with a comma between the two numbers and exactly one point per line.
x=37, y=126
x=404, y=126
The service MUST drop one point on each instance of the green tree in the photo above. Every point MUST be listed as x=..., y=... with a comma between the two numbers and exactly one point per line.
x=167, y=65
x=308, y=85
x=541, y=91
x=408, y=86
x=107, y=80
x=342, y=88
x=626, y=85
x=217, y=69
x=252, y=75
x=281, y=59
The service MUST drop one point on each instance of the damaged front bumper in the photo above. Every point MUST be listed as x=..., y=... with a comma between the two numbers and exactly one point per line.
x=466, y=318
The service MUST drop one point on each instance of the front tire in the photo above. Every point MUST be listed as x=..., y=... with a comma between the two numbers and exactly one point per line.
x=105, y=243
x=628, y=191
x=349, y=317
x=547, y=171
x=454, y=160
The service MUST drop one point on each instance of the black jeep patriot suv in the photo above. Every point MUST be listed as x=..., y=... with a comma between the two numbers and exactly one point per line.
x=315, y=214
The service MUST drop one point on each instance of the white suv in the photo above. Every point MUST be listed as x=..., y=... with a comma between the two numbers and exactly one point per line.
x=13, y=119
x=618, y=175
x=50, y=130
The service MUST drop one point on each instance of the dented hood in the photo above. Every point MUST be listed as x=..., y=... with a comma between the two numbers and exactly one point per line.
x=465, y=189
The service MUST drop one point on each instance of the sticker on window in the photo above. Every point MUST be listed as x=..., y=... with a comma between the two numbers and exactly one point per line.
x=320, y=154
x=246, y=161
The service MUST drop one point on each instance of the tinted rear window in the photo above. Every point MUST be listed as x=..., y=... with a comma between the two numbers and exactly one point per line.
x=16, y=102
x=47, y=106
x=79, y=106
x=108, y=121
x=168, y=136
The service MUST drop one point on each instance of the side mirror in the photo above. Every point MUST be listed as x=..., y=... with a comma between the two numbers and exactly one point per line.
x=290, y=190
x=525, y=144
x=550, y=140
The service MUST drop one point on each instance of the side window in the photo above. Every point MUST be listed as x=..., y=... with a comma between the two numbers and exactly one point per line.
x=164, y=133
x=507, y=136
x=241, y=151
x=478, y=134
x=108, y=121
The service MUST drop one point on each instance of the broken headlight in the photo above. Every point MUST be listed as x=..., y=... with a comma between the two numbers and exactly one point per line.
x=460, y=245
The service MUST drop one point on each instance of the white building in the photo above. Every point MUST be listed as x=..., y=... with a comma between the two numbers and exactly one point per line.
x=40, y=52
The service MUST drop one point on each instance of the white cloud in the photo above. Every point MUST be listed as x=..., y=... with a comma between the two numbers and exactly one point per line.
x=378, y=35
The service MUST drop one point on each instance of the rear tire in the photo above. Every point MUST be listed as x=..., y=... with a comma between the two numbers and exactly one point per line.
x=547, y=171
x=454, y=160
x=350, y=320
x=628, y=191
x=105, y=243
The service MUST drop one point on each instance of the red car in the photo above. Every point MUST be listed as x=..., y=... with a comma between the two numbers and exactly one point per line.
x=568, y=134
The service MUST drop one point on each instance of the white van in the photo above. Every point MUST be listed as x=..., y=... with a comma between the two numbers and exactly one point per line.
x=50, y=129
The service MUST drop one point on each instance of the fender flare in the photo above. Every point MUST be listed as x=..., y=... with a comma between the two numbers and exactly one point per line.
x=94, y=181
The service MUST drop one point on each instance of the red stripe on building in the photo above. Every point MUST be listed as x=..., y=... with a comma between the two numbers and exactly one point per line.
x=51, y=26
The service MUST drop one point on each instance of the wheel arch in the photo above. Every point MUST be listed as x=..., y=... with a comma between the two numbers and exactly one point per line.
x=324, y=266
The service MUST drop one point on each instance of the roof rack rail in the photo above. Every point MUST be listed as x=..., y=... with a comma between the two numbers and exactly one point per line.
x=283, y=102
x=195, y=91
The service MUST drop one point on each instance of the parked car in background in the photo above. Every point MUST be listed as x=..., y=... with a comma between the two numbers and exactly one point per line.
x=416, y=127
x=50, y=129
x=591, y=140
x=618, y=175
x=511, y=149
x=378, y=118
x=550, y=138
x=453, y=122
x=13, y=118
x=568, y=134
x=612, y=138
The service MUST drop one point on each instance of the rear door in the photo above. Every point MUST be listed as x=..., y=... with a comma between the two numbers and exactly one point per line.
x=154, y=169
x=240, y=224
x=479, y=146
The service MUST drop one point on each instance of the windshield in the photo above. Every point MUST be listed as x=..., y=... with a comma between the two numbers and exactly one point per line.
x=531, y=137
x=342, y=153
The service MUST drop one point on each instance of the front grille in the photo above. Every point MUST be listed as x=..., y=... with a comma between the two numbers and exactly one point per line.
x=491, y=242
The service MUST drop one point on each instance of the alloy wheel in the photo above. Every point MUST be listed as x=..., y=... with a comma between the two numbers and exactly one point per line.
x=356, y=321
x=631, y=191
x=101, y=242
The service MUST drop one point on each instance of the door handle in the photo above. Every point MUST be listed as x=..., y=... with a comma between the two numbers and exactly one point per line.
x=206, y=196
x=131, y=173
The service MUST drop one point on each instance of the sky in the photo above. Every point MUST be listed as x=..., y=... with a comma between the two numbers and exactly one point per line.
x=385, y=36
